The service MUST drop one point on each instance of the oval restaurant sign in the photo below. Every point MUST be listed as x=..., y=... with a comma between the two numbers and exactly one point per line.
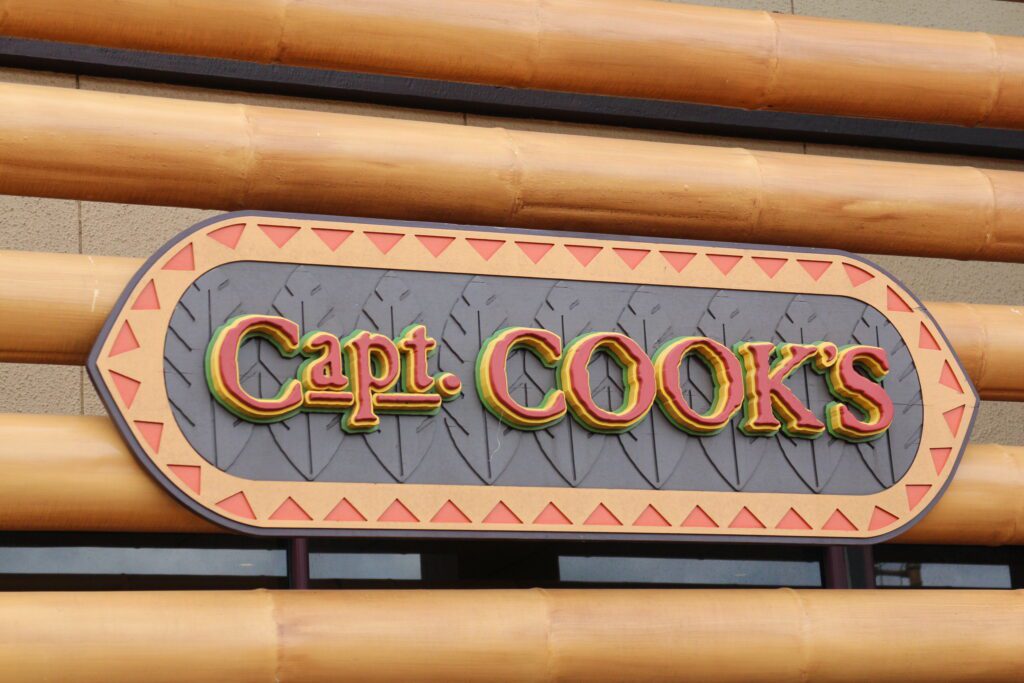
x=304, y=375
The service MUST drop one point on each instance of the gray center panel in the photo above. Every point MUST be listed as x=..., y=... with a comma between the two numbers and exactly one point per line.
x=465, y=444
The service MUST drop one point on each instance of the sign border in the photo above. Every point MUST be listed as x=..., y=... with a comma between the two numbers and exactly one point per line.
x=184, y=258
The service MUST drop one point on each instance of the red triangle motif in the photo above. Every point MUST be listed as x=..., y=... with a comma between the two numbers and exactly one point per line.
x=279, y=234
x=895, y=302
x=450, y=513
x=939, y=458
x=147, y=299
x=926, y=340
x=770, y=266
x=724, y=262
x=183, y=260
x=915, y=492
x=814, y=268
x=745, y=519
x=839, y=522
x=190, y=475
x=678, y=259
x=485, y=248
x=290, y=511
x=947, y=378
x=345, y=511
x=502, y=514
x=435, y=244
x=534, y=251
x=953, y=419
x=125, y=341
x=238, y=505
x=793, y=520
x=384, y=241
x=228, y=235
x=651, y=517
x=881, y=519
x=602, y=516
x=858, y=276
x=151, y=432
x=397, y=512
x=699, y=518
x=551, y=515
x=584, y=254
x=631, y=257
x=332, y=238
x=126, y=387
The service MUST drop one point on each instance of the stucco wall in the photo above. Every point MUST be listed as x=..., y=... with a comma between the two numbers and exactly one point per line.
x=114, y=229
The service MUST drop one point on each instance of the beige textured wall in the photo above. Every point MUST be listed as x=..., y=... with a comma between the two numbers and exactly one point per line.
x=114, y=229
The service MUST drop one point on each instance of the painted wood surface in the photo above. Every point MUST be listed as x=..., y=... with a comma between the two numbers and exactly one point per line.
x=631, y=48
x=96, y=146
x=514, y=635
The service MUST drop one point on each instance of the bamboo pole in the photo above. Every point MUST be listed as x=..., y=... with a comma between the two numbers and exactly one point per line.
x=712, y=636
x=629, y=48
x=54, y=305
x=984, y=504
x=990, y=343
x=100, y=146
x=73, y=473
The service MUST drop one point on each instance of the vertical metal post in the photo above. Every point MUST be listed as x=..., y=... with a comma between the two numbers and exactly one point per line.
x=837, y=574
x=861, y=562
x=298, y=563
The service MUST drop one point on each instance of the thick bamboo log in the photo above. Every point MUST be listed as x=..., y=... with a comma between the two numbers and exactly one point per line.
x=73, y=473
x=629, y=48
x=80, y=144
x=990, y=343
x=54, y=305
x=984, y=504
x=712, y=636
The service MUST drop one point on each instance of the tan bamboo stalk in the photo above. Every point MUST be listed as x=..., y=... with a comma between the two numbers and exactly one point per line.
x=990, y=343
x=984, y=504
x=712, y=636
x=54, y=305
x=73, y=473
x=630, y=48
x=81, y=144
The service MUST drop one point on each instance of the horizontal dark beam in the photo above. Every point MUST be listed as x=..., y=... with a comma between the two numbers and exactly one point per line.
x=508, y=102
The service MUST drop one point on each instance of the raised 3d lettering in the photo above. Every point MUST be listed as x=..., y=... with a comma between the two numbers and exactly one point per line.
x=374, y=363
x=492, y=377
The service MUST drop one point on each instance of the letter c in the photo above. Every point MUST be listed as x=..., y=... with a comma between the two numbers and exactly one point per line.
x=222, y=374
x=492, y=377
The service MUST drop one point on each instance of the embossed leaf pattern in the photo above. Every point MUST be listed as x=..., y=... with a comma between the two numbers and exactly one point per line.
x=729, y=318
x=402, y=440
x=889, y=456
x=309, y=440
x=569, y=447
x=484, y=442
x=814, y=460
x=652, y=446
x=212, y=430
x=465, y=310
